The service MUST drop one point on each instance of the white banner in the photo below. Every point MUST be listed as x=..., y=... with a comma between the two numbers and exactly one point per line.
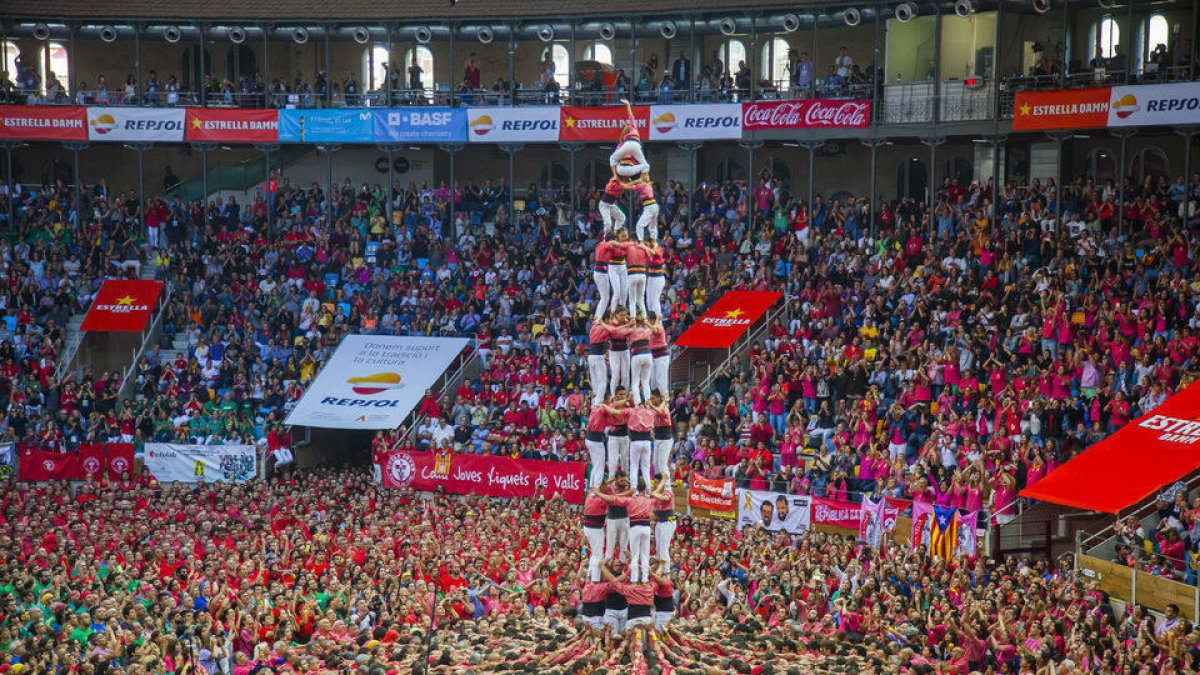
x=135, y=124
x=773, y=511
x=538, y=124
x=1165, y=104
x=171, y=463
x=373, y=382
x=713, y=121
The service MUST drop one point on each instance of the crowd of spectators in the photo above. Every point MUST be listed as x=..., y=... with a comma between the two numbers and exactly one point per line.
x=325, y=572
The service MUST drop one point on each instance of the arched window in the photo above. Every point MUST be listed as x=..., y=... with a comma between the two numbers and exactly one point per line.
x=774, y=61
x=733, y=52
x=1153, y=37
x=55, y=65
x=562, y=65
x=912, y=179
x=1100, y=165
x=597, y=51
x=1151, y=161
x=374, y=68
x=10, y=52
x=1103, y=38
x=424, y=58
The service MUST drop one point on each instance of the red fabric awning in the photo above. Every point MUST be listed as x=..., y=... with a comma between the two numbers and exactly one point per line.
x=122, y=305
x=1128, y=466
x=727, y=319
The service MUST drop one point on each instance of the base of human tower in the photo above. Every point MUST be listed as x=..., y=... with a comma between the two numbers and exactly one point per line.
x=705, y=647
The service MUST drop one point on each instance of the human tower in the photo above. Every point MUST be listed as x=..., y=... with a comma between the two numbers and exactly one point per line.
x=629, y=435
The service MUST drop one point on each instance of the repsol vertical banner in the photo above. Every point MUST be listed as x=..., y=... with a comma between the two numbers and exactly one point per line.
x=485, y=475
x=373, y=382
x=162, y=125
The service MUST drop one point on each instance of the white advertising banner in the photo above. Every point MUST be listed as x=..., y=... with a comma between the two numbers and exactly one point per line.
x=713, y=121
x=1154, y=104
x=774, y=511
x=538, y=124
x=373, y=381
x=172, y=463
x=135, y=124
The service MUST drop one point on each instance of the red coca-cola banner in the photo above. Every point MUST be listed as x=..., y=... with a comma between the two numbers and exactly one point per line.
x=813, y=113
x=232, y=125
x=712, y=494
x=490, y=476
x=47, y=123
x=848, y=514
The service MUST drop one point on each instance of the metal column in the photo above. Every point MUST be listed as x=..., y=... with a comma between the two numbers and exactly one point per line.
x=512, y=149
x=512, y=69
x=10, y=147
x=75, y=147
x=328, y=69
x=203, y=147
x=267, y=102
x=874, y=145
x=137, y=62
x=751, y=177
x=997, y=175
x=572, y=149
x=691, y=148
x=933, y=142
x=141, y=149
x=1123, y=135
x=811, y=146
x=328, y=151
x=390, y=149
x=268, y=195
x=452, y=149
x=1058, y=186
x=1189, y=134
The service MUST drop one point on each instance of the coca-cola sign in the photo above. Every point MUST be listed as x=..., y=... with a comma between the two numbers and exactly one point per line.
x=816, y=113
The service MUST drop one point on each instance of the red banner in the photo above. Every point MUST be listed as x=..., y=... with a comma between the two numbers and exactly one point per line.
x=1061, y=109
x=122, y=305
x=712, y=494
x=600, y=124
x=848, y=514
x=727, y=319
x=485, y=475
x=91, y=459
x=120, y=460
x=812, y=113
x=232, y=125
x=39, y=465
x=1143, y=456
x=47, y=123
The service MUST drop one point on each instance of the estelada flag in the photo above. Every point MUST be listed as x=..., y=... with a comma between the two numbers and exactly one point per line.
x=943, y=532
x=727, y=319
x=122, y=305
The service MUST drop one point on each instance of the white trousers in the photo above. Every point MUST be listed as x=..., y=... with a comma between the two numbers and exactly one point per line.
x=611, y=215
x=598, y=371
x=648, y=221
x=616, y=536
x=639, y=554
x=639, y=463
x=662, y=456
x=595, y=540
x=618, y=454
x=604, y=288
x=637, y=294
x=655, y=283
x=663, y=533
x=660, y=375
x=641, y=365
x=596, y=451
x=618, y=279
x=619, y=370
